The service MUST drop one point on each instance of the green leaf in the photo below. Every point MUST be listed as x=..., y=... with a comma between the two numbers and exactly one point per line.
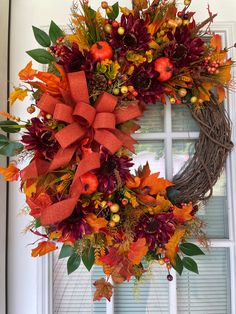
x=92, y=13
x=37, y=223
x=179, y=265
x=11, y=149
x=66, y=251
x=41, y=55
x=73, y=263
x=191, y=249
x=3, y=139
x=10, y=126
x=41, y=37
x=55, y=32
x=190, y=264
x=88, y=258
x=115, y=9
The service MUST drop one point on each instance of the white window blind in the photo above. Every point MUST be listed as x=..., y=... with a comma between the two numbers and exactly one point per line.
x=166, y=140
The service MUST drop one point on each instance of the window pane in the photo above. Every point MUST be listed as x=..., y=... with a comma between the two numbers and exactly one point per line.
x=149, y=297
x=208, y=292
x=153, y=152
x=182, y=120
x=153, y=119
x=74, y=293
x=215, y=211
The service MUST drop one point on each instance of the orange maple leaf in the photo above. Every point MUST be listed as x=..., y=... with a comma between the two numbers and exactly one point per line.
x=173, y=244
x=183, y=214
x=96, y=223
x=11, y=173
x=220, y=93
x=137, y=250
x=43, y=248
x=133, y=182
x=103, y=289
x=155, y=184
x=27, y=74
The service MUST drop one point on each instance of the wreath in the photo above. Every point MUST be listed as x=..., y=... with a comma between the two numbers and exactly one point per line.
x=101, y=77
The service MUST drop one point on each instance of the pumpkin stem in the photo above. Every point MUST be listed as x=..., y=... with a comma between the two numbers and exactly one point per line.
x=99, y=46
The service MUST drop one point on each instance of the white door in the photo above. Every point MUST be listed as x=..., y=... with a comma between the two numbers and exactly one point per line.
x=213, y=291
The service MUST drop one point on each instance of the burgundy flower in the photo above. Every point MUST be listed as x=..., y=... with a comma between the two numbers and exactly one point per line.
x=144, y=80
x=72, y=58
x=156, y=229
x=185, y=48
x=40, y=139
x=74, y=226
x=136, y=36
x=110, y=165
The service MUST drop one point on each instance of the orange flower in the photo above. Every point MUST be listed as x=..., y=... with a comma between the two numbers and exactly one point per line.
x=43, y=248
x=11, y=173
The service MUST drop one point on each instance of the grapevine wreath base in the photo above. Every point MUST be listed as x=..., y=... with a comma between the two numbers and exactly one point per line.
x=197, y=178
x=81, y=192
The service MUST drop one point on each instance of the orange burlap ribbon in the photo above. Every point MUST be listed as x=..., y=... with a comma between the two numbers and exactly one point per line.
x=97, y=123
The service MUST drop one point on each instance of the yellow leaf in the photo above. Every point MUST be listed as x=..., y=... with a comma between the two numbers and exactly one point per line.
x=163, y=205
x=173, y=244
x=140, y=4
x=17, y=94
x=125, y=10
x=79, y=38
x=29, y=190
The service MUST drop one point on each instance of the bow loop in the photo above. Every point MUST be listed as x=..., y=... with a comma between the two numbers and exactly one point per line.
x=84, y=113
x=104, y=120
x=63, y=112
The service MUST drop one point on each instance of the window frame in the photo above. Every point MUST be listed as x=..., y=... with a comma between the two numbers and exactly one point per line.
x=45, y=274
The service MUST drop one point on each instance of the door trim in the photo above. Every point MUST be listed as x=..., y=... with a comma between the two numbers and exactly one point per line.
x=4, y=77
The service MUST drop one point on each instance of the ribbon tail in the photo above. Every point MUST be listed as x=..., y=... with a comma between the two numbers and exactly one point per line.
x=36, y=168
x=58, y=211
x=128, y=141
x=62, y=158
x=125, y=114
x=109, y=140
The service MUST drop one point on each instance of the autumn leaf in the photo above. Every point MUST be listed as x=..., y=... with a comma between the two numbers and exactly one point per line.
x=220, y=93
x=173, y=244
x=96, y=223
x=140, y=4
x=17, y=94
x=163, y=204
x=29, y=188
x=38, y=203
x=144, y=171
x=216, y=42
x=43, y=248
x=155, y=184
x=137, y=250
x=133, y=182
x=27, y=74
x=129, y=127
x=11, y=173
x=183, y=214
x=103, y=290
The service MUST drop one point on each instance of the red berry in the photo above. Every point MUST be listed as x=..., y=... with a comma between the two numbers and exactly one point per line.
x=135, y=93
x=115, y=24
x=109, y=82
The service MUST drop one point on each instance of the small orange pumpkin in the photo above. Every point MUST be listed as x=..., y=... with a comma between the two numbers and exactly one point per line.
x=89, y=182
x=164, y=66
x=101, y=51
